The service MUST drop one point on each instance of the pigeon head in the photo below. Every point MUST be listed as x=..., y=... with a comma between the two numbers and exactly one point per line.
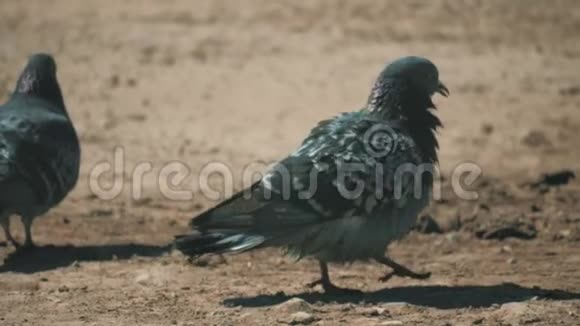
x=43, y=63
x=405, y=88
x=421, y=74
x=402, y=94
x=39, y=79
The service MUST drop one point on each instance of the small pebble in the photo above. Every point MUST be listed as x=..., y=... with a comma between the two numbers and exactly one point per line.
x=506, y=249
x=294, y=305
x=142, y=278
x=391, y=323
x=301, y=317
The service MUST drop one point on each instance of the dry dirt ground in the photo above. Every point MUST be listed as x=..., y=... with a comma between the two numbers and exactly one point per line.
x=239, y=82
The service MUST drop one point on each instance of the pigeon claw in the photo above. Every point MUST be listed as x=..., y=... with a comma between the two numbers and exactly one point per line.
x=400, y=270
x=407, y=274
x=332, y=289
x=15, y=243
x=386, y=277
x=314, y=284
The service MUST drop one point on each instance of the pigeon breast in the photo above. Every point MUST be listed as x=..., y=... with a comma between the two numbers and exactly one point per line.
x=39, y=155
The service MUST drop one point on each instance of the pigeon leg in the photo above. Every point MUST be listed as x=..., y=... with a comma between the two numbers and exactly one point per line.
x=27, y=221
x=327, y=285
x=5, y=221
x=400, y=270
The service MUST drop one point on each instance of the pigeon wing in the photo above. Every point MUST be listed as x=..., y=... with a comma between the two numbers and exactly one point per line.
x=343, y=168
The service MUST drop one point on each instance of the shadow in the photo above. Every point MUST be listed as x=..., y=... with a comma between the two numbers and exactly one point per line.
x=442, y=297
x=45, y=258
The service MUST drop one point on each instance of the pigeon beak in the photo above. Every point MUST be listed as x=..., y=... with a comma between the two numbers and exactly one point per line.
x=442, y=89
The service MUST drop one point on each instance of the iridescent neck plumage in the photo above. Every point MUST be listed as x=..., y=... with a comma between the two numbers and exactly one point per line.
x=44, y=86
x=395, y=101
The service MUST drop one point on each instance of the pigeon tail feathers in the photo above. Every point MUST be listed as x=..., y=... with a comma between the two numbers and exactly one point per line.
x=198, y=244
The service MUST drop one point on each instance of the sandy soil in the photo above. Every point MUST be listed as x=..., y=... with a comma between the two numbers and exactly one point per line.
x=238, y=82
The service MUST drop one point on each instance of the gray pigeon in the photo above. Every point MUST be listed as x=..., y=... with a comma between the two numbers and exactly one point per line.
x=357, y=183
x=39, y=148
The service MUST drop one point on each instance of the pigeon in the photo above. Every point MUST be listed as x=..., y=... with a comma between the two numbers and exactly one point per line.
x=39, y=147
x=355, y=184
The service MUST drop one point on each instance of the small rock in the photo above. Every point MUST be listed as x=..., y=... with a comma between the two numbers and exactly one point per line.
x=142, y=278
x=515, y=308
x=565, y=233
x=375, y=312
x=506, y=249
x=487, y=128
x=295, y=305
x=570, y=91
x=169, y=60
x=348, y=307
x=532, y=320
x=536, y=138
x=301, y=317
x=137, y=117
x=391, y=323
x=101, y=212
x=511, y=261
x=246, y=315
x=478, y=321
x=452, y=236
x=114, y=81
x=397, y=305
x=536, y=208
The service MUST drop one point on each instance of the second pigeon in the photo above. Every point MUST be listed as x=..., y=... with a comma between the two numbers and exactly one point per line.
x=39, y=148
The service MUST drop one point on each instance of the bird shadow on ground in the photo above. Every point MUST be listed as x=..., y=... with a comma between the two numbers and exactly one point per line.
x=45, y=258
x=441, y=297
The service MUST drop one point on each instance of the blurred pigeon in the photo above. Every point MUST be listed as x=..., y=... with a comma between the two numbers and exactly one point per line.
x=357, y=183
x=558, y=178
x=39, y=148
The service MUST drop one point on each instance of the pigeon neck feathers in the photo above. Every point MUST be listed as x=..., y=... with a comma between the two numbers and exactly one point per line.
x=39, y=80
x=397, y=102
